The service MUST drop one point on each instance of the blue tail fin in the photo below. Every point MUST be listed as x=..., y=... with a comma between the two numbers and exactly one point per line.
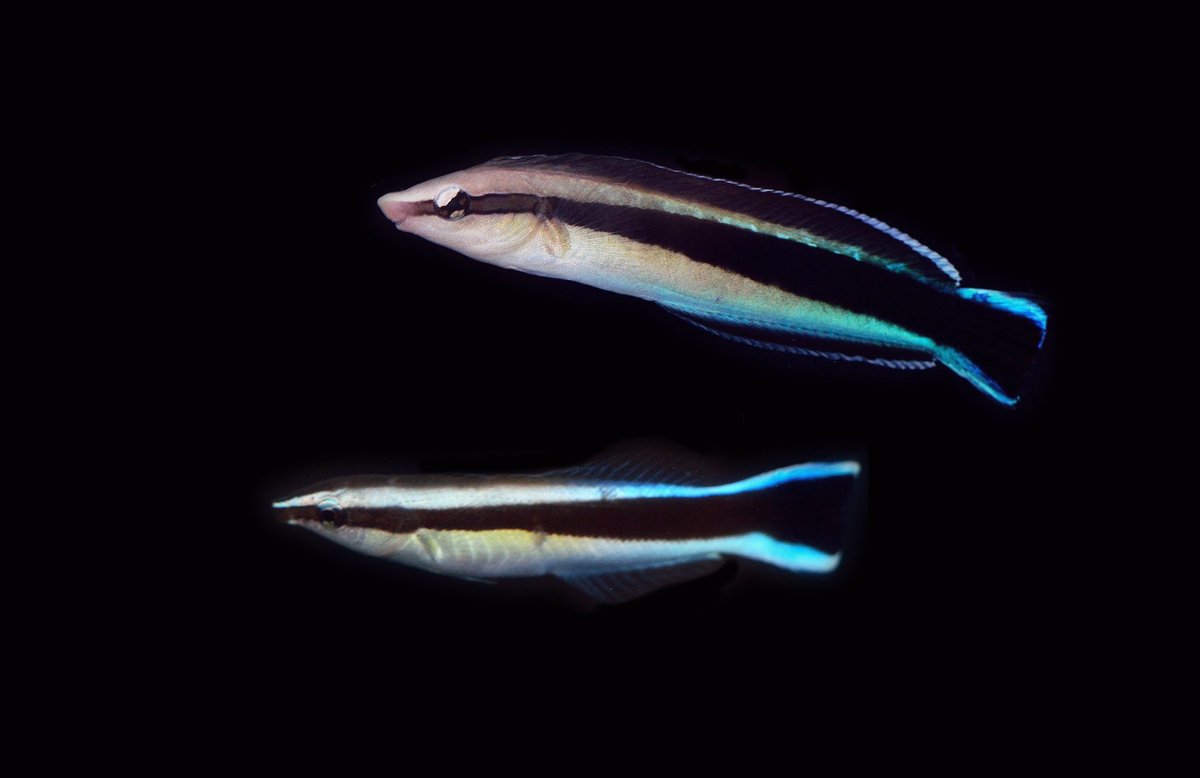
x=996, y=343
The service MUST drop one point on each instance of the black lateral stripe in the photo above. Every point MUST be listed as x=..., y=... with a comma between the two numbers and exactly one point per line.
x=490, y=204
x=809, y=512
x=507, y=203
x=802, y=270
x=775, y=207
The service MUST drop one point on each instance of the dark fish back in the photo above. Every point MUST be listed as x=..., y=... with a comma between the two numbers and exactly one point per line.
x=889, y=246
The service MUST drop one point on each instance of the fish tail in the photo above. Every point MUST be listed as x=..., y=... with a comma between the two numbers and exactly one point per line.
x=798, y=524
x=995, y=343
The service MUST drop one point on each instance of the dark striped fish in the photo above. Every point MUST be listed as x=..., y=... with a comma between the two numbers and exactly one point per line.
x=765, y=268
x=617, y=528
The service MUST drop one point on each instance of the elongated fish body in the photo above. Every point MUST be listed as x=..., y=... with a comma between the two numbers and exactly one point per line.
x=765, y=268
x=613, y=536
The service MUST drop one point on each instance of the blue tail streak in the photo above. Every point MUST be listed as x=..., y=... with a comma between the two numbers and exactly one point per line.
x=805, y=472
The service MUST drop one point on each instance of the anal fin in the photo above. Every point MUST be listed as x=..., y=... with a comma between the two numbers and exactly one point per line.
x=622, y=586
x=751, y=334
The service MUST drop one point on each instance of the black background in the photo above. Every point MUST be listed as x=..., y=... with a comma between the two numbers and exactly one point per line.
x=356, y=349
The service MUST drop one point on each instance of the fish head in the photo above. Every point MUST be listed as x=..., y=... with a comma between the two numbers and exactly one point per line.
x=491, y=215
x=335, y=512
x=320, y=510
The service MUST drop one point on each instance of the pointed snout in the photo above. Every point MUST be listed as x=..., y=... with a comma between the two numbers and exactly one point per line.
x=397, y=207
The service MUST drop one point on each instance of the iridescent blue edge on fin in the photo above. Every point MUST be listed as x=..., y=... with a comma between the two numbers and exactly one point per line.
x=749, y=334
x=1020, y=306
x=956, y=361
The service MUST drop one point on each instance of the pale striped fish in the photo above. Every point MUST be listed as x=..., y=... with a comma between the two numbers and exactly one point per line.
x=765, y=268
x=617, y=528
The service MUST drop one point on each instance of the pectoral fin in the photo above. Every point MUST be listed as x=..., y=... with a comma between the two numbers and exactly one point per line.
x=554, y=237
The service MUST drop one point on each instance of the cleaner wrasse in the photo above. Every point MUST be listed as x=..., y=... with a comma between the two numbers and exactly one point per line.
x=617, y=528
x=760, y=267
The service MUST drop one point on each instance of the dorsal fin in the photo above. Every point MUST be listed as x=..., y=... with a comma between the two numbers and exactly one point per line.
x=644, y=461
x=791, y=216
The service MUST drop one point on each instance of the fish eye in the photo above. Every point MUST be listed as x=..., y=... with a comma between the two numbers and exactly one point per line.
x=452, y=203
x=331, y=513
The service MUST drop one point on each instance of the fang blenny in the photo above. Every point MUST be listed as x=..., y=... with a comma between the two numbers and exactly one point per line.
x=760, y=267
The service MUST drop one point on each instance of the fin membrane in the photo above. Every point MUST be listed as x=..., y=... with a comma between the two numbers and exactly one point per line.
x=805, y=345
x=645, y=461
x=995, y=343
x=617, y=587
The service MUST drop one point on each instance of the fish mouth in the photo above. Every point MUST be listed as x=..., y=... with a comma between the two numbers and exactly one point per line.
x=283, y=511
x=397, y=208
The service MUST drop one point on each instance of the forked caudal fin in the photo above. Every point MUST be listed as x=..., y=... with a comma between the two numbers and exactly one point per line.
x=996, y=343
